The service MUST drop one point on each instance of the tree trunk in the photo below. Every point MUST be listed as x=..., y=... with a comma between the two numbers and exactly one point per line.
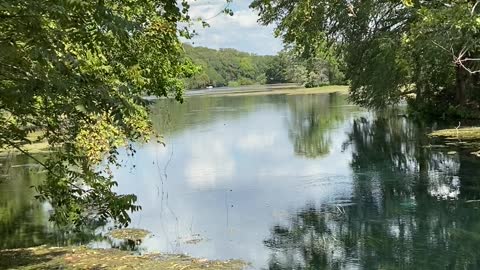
x=461, y=75
x=476, y=80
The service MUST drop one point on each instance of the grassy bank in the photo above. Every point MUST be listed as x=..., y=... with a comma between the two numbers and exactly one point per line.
x=73, y=258
x=288, y=91
x=33, y=148
x=36, y=146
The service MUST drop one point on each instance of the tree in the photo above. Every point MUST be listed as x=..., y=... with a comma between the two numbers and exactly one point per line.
x=288, y=66
x=76, y=71
x=277, y=70
x=227, y=66
x=391, y=49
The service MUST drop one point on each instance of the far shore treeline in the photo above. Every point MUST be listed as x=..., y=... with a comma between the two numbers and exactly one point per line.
x=230, y=67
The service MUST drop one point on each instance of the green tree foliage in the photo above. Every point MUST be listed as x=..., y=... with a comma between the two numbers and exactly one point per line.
x=76, y=71
x=288, y=66
x=234, y=68
x=276, y=71
x=390, y=48
x=226, y=67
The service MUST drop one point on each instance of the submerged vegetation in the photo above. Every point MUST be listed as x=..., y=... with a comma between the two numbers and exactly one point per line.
x=129, y=234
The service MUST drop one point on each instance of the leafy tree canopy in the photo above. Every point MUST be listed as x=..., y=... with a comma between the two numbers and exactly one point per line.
x=226, y=67
x=76, y=71
x=233, y=68
x=391, y=48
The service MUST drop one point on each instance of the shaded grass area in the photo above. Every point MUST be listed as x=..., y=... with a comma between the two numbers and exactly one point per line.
x=84, y=258
x=35, y=147
x=287, y=91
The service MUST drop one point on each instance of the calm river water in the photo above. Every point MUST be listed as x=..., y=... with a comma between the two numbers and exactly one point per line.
x=283, y=182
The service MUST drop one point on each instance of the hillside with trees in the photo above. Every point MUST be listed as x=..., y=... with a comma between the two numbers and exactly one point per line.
x=226, y=67
x=229, y=67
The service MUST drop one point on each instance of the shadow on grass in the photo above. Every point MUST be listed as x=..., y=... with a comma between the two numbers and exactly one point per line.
x=16, y=258
x=81, y=257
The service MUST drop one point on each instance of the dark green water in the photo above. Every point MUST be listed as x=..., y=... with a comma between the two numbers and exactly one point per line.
x=284, y=182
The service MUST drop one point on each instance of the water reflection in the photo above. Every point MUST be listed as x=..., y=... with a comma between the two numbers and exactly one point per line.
x=391, y=155
x=229, y=170
x=284, y=182
x=311, y=118
x=409, y=208
x=311, y=122
x=23, y=220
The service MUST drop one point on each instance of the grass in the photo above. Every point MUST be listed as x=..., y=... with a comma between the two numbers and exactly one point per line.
x=73, y=258
x=33, y=148
x=37, y=146
x=288, y=91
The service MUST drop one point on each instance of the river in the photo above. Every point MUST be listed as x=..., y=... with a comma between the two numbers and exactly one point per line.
x=283, y=182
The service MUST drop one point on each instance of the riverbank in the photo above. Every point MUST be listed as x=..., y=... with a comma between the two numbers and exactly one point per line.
x=85, y=258
x=37, y=145
x=281, y=89
x=343, y=89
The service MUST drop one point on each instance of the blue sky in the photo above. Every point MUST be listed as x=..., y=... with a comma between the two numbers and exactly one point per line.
x=240, y=31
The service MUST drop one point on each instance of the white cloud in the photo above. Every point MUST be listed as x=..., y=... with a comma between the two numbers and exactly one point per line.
x=209, y=163
x=254, y=141
x=240, y=31
x=244, y=19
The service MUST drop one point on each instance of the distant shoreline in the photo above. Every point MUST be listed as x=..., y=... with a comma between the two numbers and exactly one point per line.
x=272, y=89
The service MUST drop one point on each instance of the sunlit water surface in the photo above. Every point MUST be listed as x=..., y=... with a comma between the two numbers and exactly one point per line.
x=283, y=182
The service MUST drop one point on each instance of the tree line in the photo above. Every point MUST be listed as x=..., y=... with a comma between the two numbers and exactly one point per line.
x=230, y=67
